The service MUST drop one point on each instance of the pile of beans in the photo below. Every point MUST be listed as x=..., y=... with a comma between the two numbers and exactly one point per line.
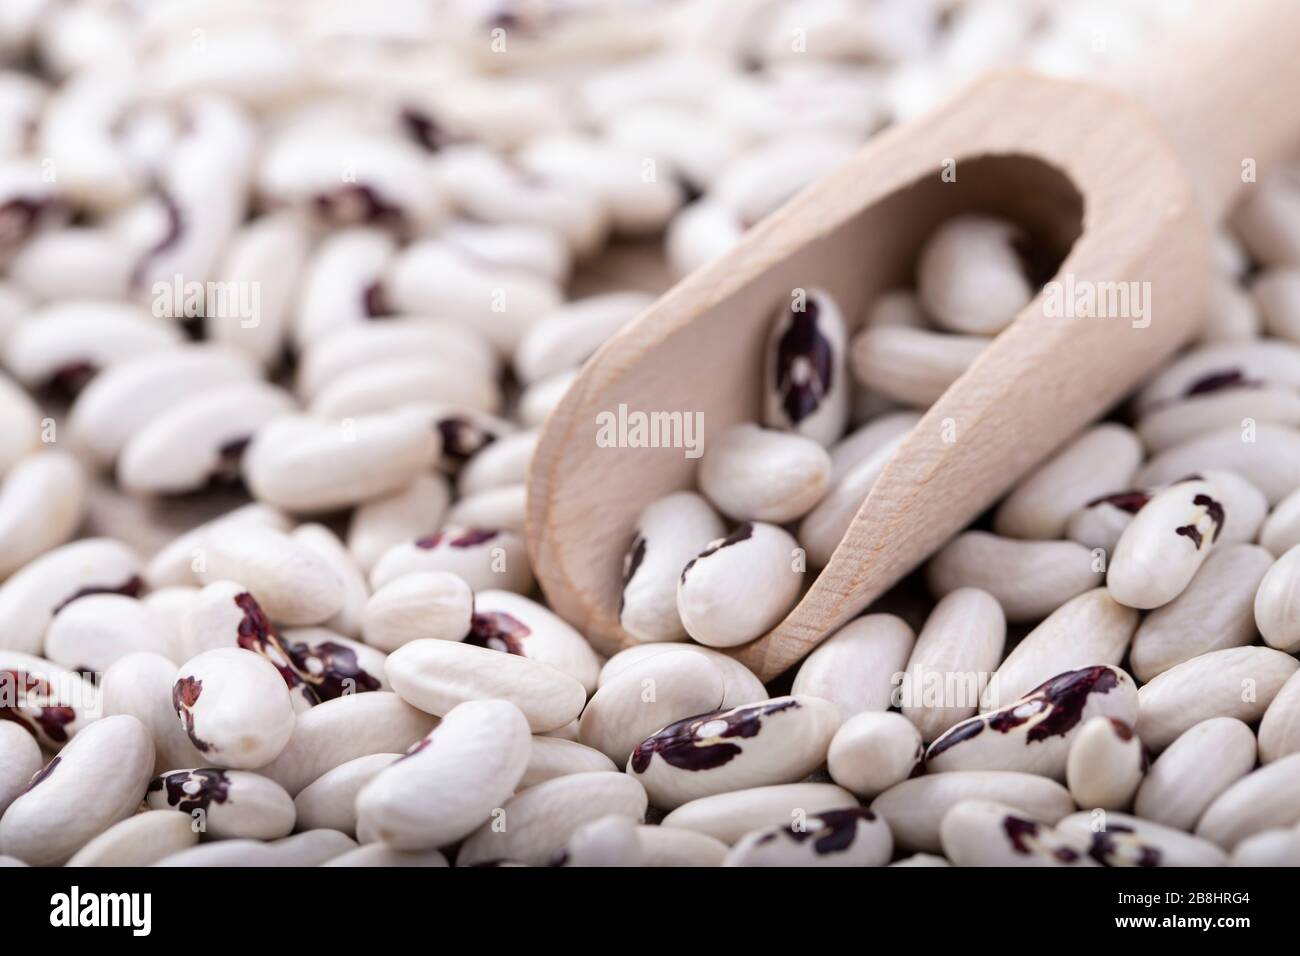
x=285, y=297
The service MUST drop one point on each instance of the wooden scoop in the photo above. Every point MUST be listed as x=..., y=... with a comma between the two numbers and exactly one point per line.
x=1120, y=185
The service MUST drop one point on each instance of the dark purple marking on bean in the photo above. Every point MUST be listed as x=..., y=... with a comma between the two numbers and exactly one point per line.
x=337, y=672
x=356, y=203
x=254, y=629
x=466, y=539
x=1218, y=381
x=680, y=746
x=498, y=631
x=1122, y=730
x=1063, y=697
x=19, y=216
x=504, y=17
x=170, y=238
x=229, y=457
x=1214, y=511
x=374, y=301
x=958, y=733
x=742, y=533
x=1107, y=851
x=802, y=348
x=416, y=747
x=631, y=563
x=1019, y=831
x=25, y=699
x=131, y=587
x=1130, y=501
x=836, y=833
x=185, y=694
x=68, y=381
x=42, y=775
x=255, y=633
x=474, y=538
x=424, y=130
x=214, y=787
x=462, y=439
x=1059, y=701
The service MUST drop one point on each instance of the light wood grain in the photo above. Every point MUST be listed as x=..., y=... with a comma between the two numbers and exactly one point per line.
x=1084, y=169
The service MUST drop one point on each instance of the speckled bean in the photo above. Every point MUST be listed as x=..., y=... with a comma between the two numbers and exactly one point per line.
x=669, y=533
x=853, y=836
x=1034, y=733
x=1165, y=544
x=741, y=586
x=983, y=833
x=225, y=804
x=772, y=742
x=806, y=385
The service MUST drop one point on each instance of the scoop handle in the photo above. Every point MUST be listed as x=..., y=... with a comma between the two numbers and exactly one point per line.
x=1224, y=88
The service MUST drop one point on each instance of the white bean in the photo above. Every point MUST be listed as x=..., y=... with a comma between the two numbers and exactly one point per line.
x=1106, y=764
x=855, y=668
x=1237, y=682
x=872, y=752
x=533, y=826
x=96, y=781
x=741, y=586
x=449, y=782
x=669, y=533
x=435, y=676
x=1200, y=764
